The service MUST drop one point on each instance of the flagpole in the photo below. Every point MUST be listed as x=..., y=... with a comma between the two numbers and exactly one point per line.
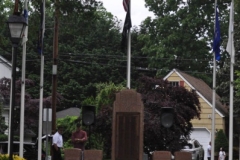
x=213, y=109
x=10, y=110
x=129, y=53
x=24, y=43
x=214, y=95
x=41, y=88
x=232, y=61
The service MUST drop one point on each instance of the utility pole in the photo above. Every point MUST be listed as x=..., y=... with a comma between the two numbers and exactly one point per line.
x=54, y=68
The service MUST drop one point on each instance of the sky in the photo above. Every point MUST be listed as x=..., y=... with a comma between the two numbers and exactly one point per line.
x=138, y=10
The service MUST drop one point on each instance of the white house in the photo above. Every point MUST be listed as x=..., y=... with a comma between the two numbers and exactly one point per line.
x=5, y=68
x=5, y=71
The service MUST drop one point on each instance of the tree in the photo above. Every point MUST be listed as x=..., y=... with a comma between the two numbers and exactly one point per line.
x=221, y=141
x=3, y=126
x=31, y=116
x=181, y=35
x=185, y=104
x=103, y=124
x=157, y=93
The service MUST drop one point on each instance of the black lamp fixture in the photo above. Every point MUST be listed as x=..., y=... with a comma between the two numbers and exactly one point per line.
x=16, y=24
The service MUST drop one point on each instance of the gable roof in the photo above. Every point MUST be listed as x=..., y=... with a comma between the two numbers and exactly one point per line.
x=202, y=89
x=68, y=112
x=5, y=62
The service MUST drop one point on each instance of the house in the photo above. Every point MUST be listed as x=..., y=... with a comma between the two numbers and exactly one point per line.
x=5, y=71
x=5, y=68
x=201, y=128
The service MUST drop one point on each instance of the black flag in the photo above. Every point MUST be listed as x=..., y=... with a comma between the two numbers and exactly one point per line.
x=126, y=27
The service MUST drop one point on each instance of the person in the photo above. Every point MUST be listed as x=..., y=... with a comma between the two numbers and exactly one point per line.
x=79, y=137
x=209, y=151
x=222, y=154
x=57, y=144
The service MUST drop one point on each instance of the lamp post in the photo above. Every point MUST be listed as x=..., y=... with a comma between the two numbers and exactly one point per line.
x=16, y=24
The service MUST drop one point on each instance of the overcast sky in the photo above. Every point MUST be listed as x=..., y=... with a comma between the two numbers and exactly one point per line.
x=138, y=10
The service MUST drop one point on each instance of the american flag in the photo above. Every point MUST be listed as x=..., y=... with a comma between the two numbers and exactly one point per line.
x=125, y=4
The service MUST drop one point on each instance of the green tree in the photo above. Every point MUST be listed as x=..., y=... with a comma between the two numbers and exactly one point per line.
x=103, y=124
x=180, y=35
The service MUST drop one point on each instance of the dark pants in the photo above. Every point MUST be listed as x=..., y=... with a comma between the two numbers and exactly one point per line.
x=209, y=158
x=56, y=154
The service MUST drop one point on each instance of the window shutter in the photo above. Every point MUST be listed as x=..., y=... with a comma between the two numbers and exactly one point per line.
x=182, y=83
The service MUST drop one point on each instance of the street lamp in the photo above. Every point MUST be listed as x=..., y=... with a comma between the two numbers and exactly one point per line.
x=16, y=24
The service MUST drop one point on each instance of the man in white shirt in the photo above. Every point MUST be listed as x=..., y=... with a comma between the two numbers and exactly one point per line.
x=57, y=144
x=209, y=151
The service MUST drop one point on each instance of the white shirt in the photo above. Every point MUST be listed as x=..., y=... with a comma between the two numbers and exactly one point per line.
x=57, y=139
x=209, y=151
x=222, y=155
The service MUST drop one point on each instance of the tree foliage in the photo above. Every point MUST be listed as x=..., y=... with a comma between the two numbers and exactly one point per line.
x=31, y=115
x=157, y=93
x=180, y=35
x=3, y=126
x=221, y=141
x=186, y=107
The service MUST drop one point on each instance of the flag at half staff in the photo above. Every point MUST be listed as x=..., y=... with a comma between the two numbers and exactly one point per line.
x=127, y=22
x=217, y=38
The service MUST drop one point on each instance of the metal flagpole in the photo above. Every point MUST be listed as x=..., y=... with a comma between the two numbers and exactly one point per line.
x=24, y=43
x=129, y=53
x=41, y=88
x=214, y=96
x=10, y=110
x=230, y=49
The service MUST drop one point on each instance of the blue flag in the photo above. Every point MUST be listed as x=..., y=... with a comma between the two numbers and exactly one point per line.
x=217, y=38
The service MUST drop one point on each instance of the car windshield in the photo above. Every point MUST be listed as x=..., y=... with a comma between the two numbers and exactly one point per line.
x=187, y=146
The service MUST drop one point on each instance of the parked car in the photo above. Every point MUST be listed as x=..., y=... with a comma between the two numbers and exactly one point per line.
x=195, y=148
x=30, y=151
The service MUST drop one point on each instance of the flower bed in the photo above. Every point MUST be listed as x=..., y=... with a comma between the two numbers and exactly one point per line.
x=6, y=157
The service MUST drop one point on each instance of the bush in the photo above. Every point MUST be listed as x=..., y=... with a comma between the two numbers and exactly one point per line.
x=221, y=141
x=3, y=137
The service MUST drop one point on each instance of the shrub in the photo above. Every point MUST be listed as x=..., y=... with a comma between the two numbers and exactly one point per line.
x=3, y=137
x=221, y=141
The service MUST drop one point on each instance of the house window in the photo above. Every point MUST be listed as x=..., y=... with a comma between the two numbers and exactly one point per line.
x=177, y=83
x=174, y=83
